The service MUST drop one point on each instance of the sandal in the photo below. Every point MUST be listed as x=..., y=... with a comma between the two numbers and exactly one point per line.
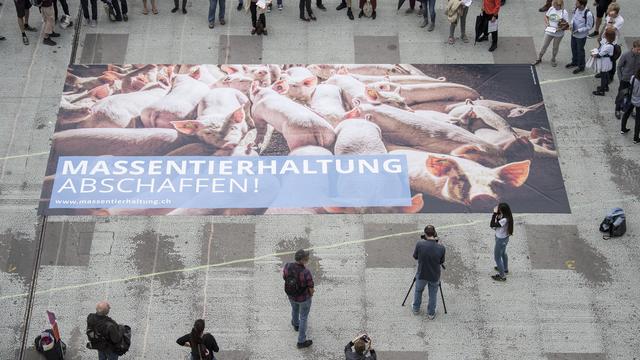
x=145, y=12
x=451, y=40
x=154, y=11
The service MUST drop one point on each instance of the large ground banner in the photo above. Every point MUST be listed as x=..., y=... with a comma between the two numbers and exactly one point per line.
x=163, y=139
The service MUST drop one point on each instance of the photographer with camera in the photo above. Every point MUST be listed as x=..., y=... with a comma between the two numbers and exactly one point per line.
x=361, y=345
x=430, y=256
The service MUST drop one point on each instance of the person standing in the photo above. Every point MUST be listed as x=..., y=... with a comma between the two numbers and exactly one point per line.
x=614, y=20
x=203, y=346
x=556, y=21
x=299, y=287
x=457, y=13
x=361, y=345
x=93, y=21
x=490, y=10
x=154, y=8
x=581, y=23
x=601, y=10
x=347, y=4
x=121, y=10
x=306, y=4
x=502, y=223
x=212, y=12
x=105, y=332
x=258, y=18
x=430, y=256
x=429, y=13
x=176, y=6
x=46, y=10
x=634, y=94
x=603, y=58
x=22, y=10
x=628, y=65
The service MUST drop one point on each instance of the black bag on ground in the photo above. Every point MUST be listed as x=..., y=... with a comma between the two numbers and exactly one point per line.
x=46, y=344
x=614, y=224
x=482, y=26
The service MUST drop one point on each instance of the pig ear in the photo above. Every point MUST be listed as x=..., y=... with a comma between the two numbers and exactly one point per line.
x=372, y=96
x=369, y=117
x=310, y=81
x=229, y=69
x=188, y=127
x=281, y=87
x=441, y=166
x=397, y=90
x=355, y=102
x=255, y=87
x=195, y=73
x=238, y=115
x=514, y=174
x=417, y=203
x=468, y=102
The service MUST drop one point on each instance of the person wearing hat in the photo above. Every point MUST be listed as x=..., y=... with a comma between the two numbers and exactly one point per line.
x=430, y=256
x=298, y=285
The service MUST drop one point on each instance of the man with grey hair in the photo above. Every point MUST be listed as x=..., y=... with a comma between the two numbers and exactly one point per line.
x=103, y=332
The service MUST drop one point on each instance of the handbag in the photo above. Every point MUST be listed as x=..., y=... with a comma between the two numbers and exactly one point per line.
x=626, y=101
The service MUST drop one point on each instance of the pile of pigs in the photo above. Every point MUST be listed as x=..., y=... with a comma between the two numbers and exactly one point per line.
x=460, y=147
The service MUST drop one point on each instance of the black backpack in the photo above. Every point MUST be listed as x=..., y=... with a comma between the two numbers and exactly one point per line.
x=99, y=342
x=292, y=285
x=617, y=51
x=123, y=346
x=614, y=224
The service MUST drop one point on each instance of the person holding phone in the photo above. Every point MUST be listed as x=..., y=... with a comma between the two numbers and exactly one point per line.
x=556, y=20
x=430, y=256
x=203, y=345
x=502, y=223
x=361, y=345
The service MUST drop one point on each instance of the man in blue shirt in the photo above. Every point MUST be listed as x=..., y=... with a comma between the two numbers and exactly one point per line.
x=430, y=256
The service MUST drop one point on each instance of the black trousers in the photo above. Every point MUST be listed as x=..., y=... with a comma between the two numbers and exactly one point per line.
x=307, y=4
x=254, y=16
x=622, y=92
x=494, y=34
x=85, y=9
x=117, y=7
x=636, y=128
x=65, y=7
x=176, y=4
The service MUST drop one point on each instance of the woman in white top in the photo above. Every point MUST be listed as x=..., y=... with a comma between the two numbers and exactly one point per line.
x=557, y=21
x=604, y=62
x=502, y=223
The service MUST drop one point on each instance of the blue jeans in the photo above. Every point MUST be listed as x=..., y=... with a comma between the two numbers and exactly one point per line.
x=500, y=255
x=577, y=51
x=433, y=295
x=429, y=8
x=103, y=355
x=212, y=9
x=299, y=315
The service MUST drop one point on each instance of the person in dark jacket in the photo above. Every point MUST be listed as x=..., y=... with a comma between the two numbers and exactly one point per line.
x=502, y=223
x=430, y=256
x=300, y=301
x=361, y=345
x=628, y=65
x=106, y=330
x=203, y=346
x=635, y=103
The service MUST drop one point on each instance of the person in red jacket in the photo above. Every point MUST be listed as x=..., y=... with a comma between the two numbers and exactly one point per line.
x=490, y=10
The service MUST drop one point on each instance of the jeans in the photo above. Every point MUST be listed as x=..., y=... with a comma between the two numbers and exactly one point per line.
x=212, y=9
x=577, y=51
x=432, y=287
x=429, y=8
x=103, y=355
x=85, y=9
x=299, y=315
x=636, y=128
x=500, y=255
x=624, y=85
x=556, y=46
x=463, y=23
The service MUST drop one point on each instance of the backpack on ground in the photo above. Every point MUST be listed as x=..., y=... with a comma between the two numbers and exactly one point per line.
x=46, y=344
x=614, y=224
x=292, y=285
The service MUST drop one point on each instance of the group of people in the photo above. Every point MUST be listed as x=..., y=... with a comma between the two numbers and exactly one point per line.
x=605, y=58
x=299, y=288
x=49, y=12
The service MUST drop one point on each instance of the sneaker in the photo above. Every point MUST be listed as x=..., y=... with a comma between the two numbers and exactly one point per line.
x=280, y=7
x=125, y=17
x=321, y=7
x=493, y=47
x=48, y=41
x=578, y=70
x=184, y=10
x=211, y=25
x=497, y=277
x=496, y=269
x=594, y=34
x=420, y=12
x=239, y=7
x=30, y=28
x=483, y=38
x=570, y=65
x=175, y=10
x=431, y=317
x=636, y=141
x=296, y=328
x=305, y=18
x=312, y=17
x=554, y=63
x=415, y=312
x=373, y=15
x=93, y=23
x=424, y=23
x=452, y=40
x=25, y=39
x=350, y=14
x=618, y=114
x=431, y=27
x=304, y=344
x=598, y=93
x=269, y=8
x=465, y=39
x=2, y=38
x=253, y=31
x=361, y=14
x=624, y=131
x=222, y=22
x=341, y=6
x=408, y=11
x=87, y=22
x=598, y=76
x=264, y=32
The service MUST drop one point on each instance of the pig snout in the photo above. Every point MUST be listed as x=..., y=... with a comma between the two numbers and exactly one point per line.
x=483, y=201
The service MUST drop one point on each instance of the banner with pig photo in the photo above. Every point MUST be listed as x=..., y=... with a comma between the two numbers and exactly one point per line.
x=301, y=139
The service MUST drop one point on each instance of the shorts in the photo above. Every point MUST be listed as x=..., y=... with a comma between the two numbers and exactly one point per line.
x=601, y=9
x=21, y=7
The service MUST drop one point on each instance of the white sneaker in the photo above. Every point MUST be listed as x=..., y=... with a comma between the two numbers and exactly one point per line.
x=93, y=23
x=280, y=7
x=431, y=317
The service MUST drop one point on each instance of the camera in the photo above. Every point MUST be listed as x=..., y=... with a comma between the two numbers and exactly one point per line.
x=365, y=338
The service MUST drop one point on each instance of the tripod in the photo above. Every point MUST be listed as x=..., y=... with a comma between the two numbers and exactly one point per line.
x=444, y=305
